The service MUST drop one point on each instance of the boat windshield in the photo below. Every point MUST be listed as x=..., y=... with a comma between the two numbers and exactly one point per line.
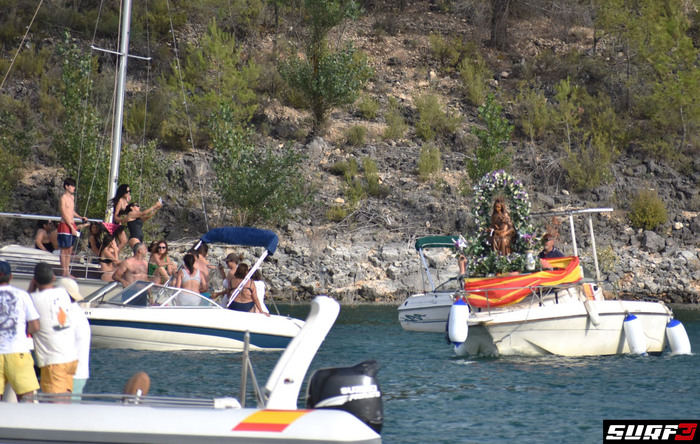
x=147, y=294
x=454, y=284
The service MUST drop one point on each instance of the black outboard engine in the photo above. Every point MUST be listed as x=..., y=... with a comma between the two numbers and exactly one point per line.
x=353, y=389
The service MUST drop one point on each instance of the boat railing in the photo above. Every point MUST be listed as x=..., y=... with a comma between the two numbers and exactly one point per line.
x=536, y=293
x=126, y=399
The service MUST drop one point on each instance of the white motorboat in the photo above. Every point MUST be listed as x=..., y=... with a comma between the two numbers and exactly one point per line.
x=146, y=316
x=557, y=312
x=427, y=311
x=341, y=407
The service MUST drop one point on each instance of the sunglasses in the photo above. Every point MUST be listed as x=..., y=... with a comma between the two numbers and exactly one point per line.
x=162, y=247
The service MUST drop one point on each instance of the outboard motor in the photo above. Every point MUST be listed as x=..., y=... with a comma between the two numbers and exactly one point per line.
x=353, y=389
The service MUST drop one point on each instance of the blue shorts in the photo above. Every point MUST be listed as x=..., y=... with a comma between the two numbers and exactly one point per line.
x=66, y=240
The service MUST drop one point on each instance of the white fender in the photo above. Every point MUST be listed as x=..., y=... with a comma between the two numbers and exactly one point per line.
x=635, y=335
x=457, y=328
x=677, y=338
x=592, y=312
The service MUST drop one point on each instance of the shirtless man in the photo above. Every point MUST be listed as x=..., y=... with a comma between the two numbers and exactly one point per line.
x=133, y=269
x=67, y=230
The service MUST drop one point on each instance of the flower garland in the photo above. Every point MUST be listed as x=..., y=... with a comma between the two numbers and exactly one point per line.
x=482, y=259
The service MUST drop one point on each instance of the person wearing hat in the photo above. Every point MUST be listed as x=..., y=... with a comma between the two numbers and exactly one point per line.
x=54, y=342
x=82, y=334
x=18, y=316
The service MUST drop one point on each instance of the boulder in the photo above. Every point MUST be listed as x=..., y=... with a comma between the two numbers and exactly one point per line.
x=652, y=242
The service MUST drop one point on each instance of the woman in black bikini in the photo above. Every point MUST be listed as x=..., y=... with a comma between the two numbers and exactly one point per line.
x=135, y=219
x=247, y=298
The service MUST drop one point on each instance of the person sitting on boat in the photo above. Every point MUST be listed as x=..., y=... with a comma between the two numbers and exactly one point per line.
x=160, y=266
x=96, y=237
x=202, y=264
x=119, y=202
x=108, y=257
x=189, y=276
x=501, y=228
x=549, y=251
x=247, y=299
x=135, y=218
x=46, y=236
x=134, y=268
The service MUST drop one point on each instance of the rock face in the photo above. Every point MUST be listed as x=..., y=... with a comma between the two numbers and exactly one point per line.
x=370, y=256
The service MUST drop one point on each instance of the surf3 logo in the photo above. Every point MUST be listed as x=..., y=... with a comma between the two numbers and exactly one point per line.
x=626, y=430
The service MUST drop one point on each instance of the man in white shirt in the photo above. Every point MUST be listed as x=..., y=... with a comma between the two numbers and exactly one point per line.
x=17, y=318
x=54, y=343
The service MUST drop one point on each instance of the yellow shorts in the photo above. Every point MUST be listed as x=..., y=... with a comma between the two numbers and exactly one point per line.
x=18, y=370
x=58, y=378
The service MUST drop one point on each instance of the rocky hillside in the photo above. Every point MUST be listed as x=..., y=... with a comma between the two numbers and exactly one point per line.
x=369, y=255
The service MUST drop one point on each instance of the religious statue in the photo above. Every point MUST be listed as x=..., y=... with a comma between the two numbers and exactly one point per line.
x=501, y=230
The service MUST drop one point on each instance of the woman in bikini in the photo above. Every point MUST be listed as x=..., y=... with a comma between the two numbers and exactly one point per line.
x=109, y=257
x=247, y=299
x=134, y=218
x=160, y=263
x=119, y=202
x=189, y=277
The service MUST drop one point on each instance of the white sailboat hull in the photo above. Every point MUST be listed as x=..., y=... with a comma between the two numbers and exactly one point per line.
x=175, y=328
x=565, y=328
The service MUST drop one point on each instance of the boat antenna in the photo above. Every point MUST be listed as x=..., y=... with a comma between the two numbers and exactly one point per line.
x=187, y=113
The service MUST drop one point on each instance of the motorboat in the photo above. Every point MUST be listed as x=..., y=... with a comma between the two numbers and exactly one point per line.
x=342, y=406
x=427, y=310
x=146, y=316
x=558, y=311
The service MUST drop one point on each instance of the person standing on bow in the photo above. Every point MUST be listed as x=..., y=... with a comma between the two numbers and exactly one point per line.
x=119, y=202
x=67, y=230
x=134, y=218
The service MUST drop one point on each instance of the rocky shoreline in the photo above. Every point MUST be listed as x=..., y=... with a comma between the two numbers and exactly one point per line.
x=370, y=258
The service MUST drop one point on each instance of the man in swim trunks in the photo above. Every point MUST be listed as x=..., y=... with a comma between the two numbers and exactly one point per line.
x=67, y=230
x=133, y=269
x=19, y=318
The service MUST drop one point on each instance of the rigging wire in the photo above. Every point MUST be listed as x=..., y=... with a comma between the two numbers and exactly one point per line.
x=24, y=37
x=187, y=114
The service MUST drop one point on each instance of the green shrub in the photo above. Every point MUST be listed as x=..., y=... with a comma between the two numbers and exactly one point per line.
x=395, y=124
x=474, y=74
x=336, y=213
x=429, y=162
x=374, y=187
x=491, y=153
x=368, y=107
x=533, y=114
x=443, y=51
x=433, y=121
x=356, y=135
x=647, y=210
x=607, y=259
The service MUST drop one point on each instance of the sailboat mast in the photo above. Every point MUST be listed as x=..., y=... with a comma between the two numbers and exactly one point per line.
x=119, y=107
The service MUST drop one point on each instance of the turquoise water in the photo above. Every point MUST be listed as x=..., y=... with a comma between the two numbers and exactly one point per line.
x=432, y=397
